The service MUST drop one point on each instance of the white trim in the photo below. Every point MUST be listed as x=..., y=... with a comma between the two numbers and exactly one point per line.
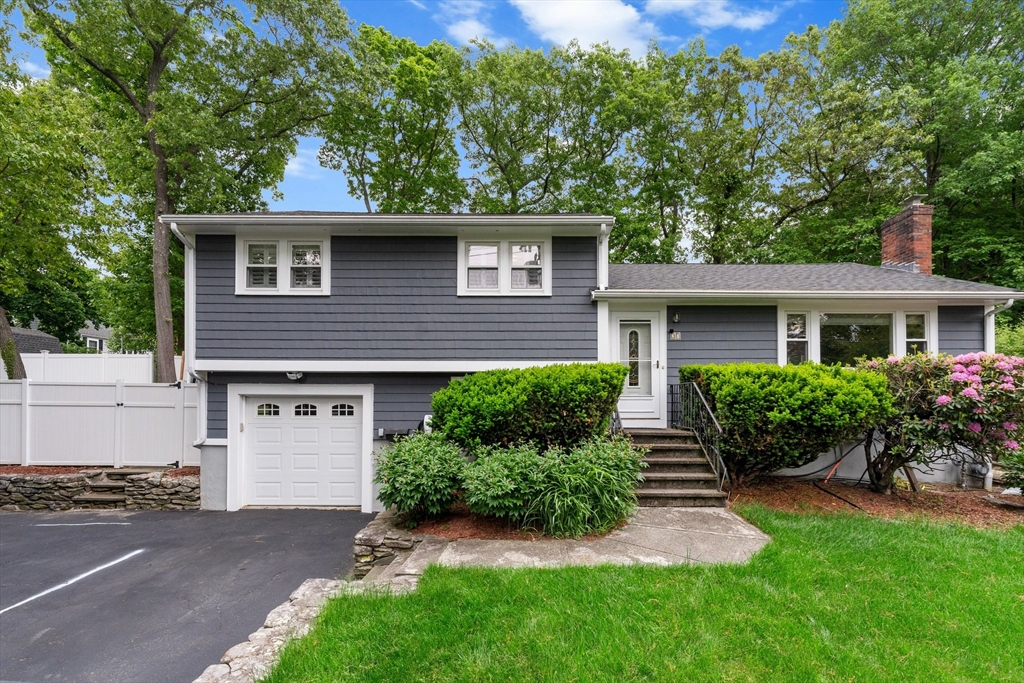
x=990, y=330
x=190, y=305
x=604, y=346
x=683, y=296
x=284, y=264
x=238, y=393
x=814, y=309
x=454, y=367
x=215, y=442
x=504, y=265
x=602, y=257
x=656, y=417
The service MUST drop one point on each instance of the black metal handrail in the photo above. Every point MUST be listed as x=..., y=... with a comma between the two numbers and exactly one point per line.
x=615, y=423
x=689, y=410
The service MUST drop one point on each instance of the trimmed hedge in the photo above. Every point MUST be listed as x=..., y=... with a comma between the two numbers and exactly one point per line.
x=774, y=417
x=555, y=405
x=588, y=489
x=420, y=475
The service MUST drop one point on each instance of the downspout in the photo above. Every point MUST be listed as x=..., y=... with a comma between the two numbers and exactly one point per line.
x=189, y=352
x=995, y=309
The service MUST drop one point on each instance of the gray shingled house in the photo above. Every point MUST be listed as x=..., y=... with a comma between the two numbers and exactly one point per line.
x=316, y=336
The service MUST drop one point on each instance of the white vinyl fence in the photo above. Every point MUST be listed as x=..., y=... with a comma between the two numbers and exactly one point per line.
x=88, y=367
x=108, y=424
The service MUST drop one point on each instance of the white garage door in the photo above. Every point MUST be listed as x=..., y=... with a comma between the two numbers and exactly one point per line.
x=303, y=451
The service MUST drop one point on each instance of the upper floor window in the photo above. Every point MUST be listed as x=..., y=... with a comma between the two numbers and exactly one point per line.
x=282, y=266
x=504, y=267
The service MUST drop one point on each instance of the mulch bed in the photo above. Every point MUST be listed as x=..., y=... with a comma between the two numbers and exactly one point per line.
x=936, y=502
x=460, y=523
x=40, y=469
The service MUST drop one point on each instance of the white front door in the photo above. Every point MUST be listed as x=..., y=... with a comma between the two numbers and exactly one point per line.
x=638, y=349
x=303, y=450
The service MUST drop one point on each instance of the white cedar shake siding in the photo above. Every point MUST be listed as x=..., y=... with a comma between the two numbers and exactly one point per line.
x=395, y=298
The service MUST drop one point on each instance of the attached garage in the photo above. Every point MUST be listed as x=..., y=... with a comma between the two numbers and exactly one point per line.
x=300, y=446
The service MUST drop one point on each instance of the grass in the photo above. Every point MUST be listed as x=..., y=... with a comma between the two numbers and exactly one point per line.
x=832, y=598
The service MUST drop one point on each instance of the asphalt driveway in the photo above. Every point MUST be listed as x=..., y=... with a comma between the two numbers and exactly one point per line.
x=168, y=592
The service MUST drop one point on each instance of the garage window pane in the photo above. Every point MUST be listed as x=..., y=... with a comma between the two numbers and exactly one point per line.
x=268, y=410
x=342, y=410
x=305, y=410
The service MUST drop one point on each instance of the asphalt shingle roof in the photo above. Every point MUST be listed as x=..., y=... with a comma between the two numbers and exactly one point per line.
x=796, y=277
x=34, y=341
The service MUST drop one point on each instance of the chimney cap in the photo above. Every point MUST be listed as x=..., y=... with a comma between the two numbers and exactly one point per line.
x=913, y=200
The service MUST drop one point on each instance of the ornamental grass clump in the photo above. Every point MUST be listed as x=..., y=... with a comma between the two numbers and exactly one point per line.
x=968, y=407
x=775, y=417
x=420, y=475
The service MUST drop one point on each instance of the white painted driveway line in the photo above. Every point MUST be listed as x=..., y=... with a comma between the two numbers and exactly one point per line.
x=74, y=580
x=91, y=524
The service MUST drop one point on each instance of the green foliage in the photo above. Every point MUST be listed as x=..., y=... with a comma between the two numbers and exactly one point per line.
x=7, y=354
x=504, y=482
x=774, y=417
x=1013, y=469
x=419, y=475
x=1010, y=338
x=587, y=489
x=968, y=406
x=555, y=405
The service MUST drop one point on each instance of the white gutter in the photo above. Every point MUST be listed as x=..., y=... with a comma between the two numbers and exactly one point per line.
x=598, y=295
x=391, y=220
x=999, y=309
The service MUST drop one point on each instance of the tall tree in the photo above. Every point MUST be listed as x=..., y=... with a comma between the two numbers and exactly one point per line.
x=957, y=70
x=202, y=100
x=392, y=128
x=51, y=209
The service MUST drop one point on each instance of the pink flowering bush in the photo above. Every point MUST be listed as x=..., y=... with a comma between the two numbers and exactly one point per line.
x=964, y=406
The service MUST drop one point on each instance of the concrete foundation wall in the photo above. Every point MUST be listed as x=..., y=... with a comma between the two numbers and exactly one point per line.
x=213, y=473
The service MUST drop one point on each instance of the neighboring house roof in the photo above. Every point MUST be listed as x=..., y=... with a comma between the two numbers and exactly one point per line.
x=90, y=330
x=811, y=279
x=34, y=341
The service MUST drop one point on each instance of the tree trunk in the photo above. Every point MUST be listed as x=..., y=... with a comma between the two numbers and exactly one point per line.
x=7, y=345
x=163, y=312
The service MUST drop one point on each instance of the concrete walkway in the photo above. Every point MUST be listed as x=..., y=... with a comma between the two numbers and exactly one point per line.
x=658, y=536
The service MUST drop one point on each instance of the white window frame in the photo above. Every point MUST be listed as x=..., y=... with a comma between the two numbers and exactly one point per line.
x=284, y=264
x=814, y=309
x=93, y=344
x=504, y=266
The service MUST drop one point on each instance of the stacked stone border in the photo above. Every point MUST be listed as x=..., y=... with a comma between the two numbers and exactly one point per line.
x=379, y=542
x=125, y=489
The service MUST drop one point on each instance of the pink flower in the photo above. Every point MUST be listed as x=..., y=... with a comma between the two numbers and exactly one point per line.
x=959, y=377
x=980, y=410
x=943, y=400
x=974, y=369
x=959, y=368
x=1003, y=365
x=970, y=393
x=1006, y=379
x=974, y=379
x=872, y=364
x=974, y=427
x=1007, y=387
x=892, y=360
x=1012, y=445
x=1010, y=426
x=944, y=426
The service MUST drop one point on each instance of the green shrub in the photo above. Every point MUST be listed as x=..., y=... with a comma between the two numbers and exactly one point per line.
x=774, y=417
x=1013, y=469
x=587, y=489
x=502, y=482
x=420, y=475
x=555, y=405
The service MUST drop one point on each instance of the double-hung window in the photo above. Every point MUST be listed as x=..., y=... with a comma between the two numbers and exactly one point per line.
x=836, y=336
x=504, y=267
x=283, y=266
x=917, y=333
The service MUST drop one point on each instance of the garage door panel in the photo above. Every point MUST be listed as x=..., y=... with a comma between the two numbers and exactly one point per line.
x=308, y=454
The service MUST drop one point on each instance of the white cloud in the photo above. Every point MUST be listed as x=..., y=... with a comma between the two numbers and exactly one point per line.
x=715, y=14
x=465, y=20
x=35, y=70
x=303, y=165
x=417, y=3
x=588, y=21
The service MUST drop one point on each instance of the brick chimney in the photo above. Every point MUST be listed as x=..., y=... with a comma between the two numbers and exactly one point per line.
x=907, y=237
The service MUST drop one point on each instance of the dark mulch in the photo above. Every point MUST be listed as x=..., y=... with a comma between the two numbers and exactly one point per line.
x=183, y=472
x=460, y=523
x=936, y=502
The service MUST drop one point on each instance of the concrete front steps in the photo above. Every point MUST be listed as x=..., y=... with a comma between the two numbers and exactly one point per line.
x=677, y=473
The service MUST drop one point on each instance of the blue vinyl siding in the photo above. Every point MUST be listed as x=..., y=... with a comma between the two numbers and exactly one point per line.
x=394, y=298
x=961, y=329
x=722, y=334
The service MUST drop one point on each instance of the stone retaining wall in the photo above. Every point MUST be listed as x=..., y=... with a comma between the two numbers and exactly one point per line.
x=379, y=542
x=91, y=489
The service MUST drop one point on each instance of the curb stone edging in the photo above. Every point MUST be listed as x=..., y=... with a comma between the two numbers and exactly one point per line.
x=379, y=542
x=152, y=490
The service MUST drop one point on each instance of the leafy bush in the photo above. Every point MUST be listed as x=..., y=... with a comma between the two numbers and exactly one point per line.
x=502, y=482
x=556, y=405
x=587, y=489
x=1010, y=338
x=944, y=407
x=1013, y=469
x=774, y=417
x=420, y=474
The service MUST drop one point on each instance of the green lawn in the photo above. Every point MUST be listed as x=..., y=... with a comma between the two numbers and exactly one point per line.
x=832, y=598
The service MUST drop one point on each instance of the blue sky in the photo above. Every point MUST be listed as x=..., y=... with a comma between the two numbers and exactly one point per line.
x=755, y=25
